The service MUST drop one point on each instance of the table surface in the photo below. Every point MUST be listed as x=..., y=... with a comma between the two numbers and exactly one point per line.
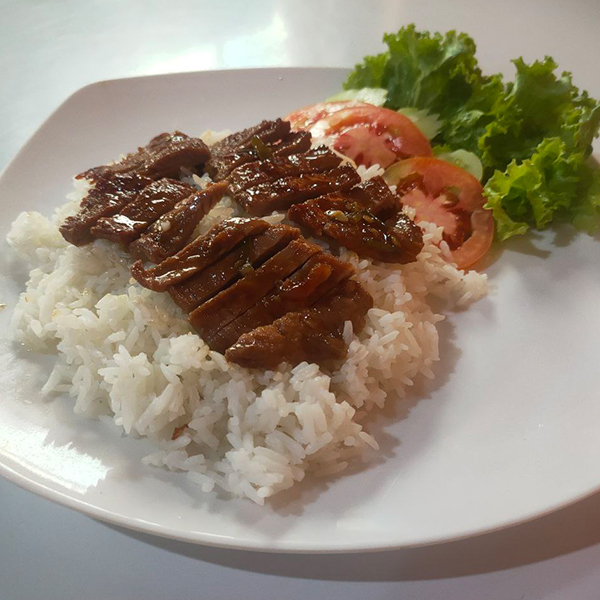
x=50, y=49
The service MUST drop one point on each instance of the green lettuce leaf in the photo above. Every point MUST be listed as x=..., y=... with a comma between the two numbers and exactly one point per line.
x=533, y=135
x=368, y=74
x=553, y=184
x=538, y=105
x=422, y=70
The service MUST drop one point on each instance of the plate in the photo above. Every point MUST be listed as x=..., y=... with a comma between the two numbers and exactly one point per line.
x=508, y=431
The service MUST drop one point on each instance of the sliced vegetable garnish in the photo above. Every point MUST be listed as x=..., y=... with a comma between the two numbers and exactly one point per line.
x=451, y=198
x=305, y=118
x=374, y=96
x=429, y=123
x=365, y=133
x=461, y=158
x=532, y=135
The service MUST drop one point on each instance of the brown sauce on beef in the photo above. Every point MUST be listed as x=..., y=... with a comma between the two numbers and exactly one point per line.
x=131, y=221
x=169, y=234
x=313, y=334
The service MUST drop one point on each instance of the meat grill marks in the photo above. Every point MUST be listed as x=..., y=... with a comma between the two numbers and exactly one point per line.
x=119, y=184
x=354, y=219
x=169, y=234
x=164, y=156
x=155, y=200
x=209, y=318
x=108, y=196
x=318, y=276
x=259, y=293
x=264, y=198
x=314, y=334
x=323, y=195
x=198, y=254
x=248, y=255
x=267, y=131
x=314, y=161
x=245, y=274
x=269, y=138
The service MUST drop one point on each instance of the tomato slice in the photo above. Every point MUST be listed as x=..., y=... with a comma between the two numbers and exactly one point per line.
x=451, y=198
x=365, y=133
x=305, y=118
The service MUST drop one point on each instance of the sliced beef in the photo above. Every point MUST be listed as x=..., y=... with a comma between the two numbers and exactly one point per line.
x=229, y=304
x=172, y=230
x=164, y=156
x=314, y=161
x=241, y=147
x=266, y=197
x=319, y=275
x=313, y=334
x=349, y=218
x=131, y=221
x=375, y=196
x=197, y=255
x=270, y=138
x=267, y=131
x=248, y=255
x=108, y=196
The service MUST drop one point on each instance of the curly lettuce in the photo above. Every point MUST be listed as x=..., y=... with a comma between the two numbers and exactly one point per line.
x=533, y=135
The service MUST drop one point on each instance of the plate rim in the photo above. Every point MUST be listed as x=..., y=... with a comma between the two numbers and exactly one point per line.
x=210, y=539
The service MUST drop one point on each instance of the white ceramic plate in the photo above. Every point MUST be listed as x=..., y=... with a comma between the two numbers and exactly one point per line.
x=509, y=431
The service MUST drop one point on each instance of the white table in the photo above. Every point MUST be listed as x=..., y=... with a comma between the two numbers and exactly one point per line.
x=50, y=49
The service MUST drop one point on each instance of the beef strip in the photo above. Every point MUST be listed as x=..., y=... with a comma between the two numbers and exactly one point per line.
x=350, y=219
x=199, y=254
x=251, y=174
x=131, y=221
x=376, y=196
x=171, y=231
x=108, y=196
x=266, y=197
x=292, y=143
x=248, y=255
x=237, y=148
x=313, y=334
x=229, y=304
x=319, y=275
x=164, y=156
x=267, y=131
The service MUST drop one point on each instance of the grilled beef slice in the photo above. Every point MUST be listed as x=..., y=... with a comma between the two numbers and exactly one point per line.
x=169, y=234
x=133, y=219
x=108, y=196
x=318, y=276
x=350, y=219
x=314, y=161
x=313, y=334
x=229, y=304
x=237, y=148
x=249, y=254
x=264, y=198
x=164, y=156
x=198, y=254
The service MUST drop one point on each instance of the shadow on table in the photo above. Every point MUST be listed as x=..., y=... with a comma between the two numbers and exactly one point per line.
x=559, y=533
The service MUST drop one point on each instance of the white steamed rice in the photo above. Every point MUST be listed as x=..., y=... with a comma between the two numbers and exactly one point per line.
x=128, y=355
